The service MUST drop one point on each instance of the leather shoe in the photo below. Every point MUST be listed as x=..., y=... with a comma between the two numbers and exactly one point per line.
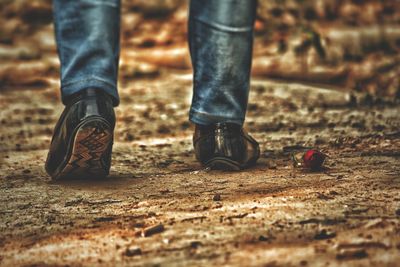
x=225, y=146
x=83, y=137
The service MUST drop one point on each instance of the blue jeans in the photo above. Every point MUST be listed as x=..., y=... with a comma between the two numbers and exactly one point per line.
x=220, y=40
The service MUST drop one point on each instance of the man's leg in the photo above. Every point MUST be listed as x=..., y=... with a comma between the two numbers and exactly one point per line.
x=87, y=33
x=221, y=39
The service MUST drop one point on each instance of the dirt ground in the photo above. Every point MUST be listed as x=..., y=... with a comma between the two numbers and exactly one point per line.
x=325, y=75
x=270, y=215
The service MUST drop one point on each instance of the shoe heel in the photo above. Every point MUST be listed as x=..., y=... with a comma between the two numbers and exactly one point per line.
x=90, y=151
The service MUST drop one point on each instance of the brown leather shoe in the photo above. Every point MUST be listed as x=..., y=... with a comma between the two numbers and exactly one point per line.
x=225, y=146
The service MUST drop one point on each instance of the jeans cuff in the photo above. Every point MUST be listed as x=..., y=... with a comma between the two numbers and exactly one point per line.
x=71, y=88
x=203, y=118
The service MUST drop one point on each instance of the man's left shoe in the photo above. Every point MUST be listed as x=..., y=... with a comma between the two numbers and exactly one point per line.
x=83, y=138
x=225, y=146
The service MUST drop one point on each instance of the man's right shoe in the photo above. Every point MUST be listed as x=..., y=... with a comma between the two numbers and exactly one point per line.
x=83, y=137
x=225, y=146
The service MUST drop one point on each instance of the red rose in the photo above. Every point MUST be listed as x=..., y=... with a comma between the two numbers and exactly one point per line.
x=313, y=159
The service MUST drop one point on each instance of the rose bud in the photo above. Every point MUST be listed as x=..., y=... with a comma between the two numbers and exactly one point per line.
x=313, y=159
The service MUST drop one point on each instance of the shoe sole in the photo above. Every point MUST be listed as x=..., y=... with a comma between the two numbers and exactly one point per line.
x=92, y=140
x=224, y=164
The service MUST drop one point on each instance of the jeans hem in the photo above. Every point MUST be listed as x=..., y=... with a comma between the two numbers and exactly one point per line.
x=224, y=28
x=71, y=88
x=207, y=118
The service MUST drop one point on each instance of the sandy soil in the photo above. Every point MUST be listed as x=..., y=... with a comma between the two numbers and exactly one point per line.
x=270, y=215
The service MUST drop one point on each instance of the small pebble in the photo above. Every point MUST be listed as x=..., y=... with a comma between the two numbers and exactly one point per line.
x=195, y=244
x=324, y=234
x=352, y=254
x=130, y=252
x=217, y=197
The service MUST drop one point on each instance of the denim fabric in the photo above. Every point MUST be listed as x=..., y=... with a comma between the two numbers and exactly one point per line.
x=220, y=39
x=87, y=33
